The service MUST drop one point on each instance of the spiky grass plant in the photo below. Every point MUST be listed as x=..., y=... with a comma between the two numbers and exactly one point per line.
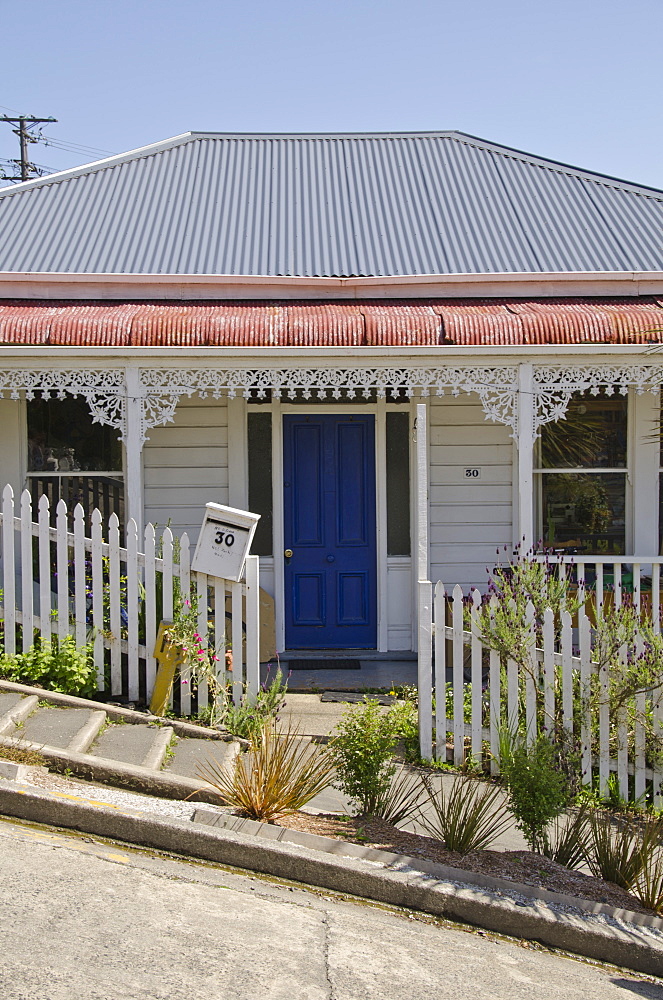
x=400, y=799
x=617, y=850
x=468, y=817
x=567, y=840
x=277, y=776
x=647, y=886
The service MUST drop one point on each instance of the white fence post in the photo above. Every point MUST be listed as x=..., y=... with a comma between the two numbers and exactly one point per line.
x=439, y=618
x=425, y=671
x=27, y=611
x=252, y=574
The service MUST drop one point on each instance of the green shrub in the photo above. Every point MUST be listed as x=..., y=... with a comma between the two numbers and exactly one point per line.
x=58, y=665
x=362, y=750
x=404, y=720
x=537, y=790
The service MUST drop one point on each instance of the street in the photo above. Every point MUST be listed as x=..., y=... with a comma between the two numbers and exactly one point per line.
x=89, y=920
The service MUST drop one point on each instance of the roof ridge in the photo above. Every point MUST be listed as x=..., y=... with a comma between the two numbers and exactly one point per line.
x=557, y=166
x=455, y=135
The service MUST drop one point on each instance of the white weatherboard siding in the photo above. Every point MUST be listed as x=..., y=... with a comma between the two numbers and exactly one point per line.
x=469, y=518
x=13, y=439
x=185, y=465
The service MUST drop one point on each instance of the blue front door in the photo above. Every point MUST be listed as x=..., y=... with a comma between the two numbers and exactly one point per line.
x=329, y=525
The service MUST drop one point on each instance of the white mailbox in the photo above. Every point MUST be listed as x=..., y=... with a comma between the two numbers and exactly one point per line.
x=224, y=541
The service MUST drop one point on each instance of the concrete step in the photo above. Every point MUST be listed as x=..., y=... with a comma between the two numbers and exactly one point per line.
x=144, y=746
x=8, y=700
x=56, y=727
x=96, y=743
x=15, y=709
x=189, y=754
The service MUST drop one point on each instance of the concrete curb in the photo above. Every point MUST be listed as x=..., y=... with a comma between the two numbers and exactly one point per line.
x=629, y=947
x=121, y=775
x=117, y=712
x=331, y=845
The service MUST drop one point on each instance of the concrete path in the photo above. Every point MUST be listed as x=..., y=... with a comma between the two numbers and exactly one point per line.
x=102, y=921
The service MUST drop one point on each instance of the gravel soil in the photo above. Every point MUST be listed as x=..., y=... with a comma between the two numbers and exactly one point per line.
x=517, y=866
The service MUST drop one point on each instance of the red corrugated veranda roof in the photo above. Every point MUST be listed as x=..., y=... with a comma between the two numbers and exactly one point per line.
x=390, y=323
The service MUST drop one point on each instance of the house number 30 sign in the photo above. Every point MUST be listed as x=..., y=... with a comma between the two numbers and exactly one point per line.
x=224, y=541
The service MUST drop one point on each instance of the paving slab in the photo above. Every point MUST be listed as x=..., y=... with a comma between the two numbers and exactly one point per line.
x=8, y=701
x=129, y=744
x=311, y=715
x=188, y=755
x=54, y=727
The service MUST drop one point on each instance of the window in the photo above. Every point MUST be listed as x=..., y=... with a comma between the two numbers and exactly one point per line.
x=72, y=458
x=398, y=484
x=581, y=477
x=260, y=480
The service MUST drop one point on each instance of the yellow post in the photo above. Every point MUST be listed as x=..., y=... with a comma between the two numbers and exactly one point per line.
x=168, y=657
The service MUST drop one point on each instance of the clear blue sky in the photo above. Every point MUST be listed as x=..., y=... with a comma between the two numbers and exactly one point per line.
x=575, y=80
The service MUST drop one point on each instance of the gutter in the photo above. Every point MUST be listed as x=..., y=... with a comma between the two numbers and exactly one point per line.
x=48, y=285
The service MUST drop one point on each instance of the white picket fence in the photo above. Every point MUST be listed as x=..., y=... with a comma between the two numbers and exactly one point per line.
x=495, y=697
x=57, y=581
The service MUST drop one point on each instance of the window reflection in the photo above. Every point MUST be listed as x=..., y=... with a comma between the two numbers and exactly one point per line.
x=63, y=438
x=591, y=436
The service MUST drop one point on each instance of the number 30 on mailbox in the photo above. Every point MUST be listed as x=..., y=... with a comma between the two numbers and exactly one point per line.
x=224, y=541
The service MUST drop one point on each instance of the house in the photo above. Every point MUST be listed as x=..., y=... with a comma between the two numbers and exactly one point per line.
x=403, y=350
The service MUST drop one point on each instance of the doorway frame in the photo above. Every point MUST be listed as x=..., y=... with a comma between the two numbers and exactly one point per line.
x=379, y=409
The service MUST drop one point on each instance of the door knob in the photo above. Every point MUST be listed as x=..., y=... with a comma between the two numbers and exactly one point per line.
x=331, y=559
x=288, y=553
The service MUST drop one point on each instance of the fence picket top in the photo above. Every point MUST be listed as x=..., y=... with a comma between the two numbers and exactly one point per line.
x=440, y=589
x=457, y=593
x=61, y=509
x=96, y=517
x=8, y=494
x=114, y=522
x=44, y=505
x=476, y=598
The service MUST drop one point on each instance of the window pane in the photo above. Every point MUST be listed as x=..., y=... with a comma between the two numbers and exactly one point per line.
x=62, y=438
x=260, y=480
x=398, y=484
x=591, y=436
x=584, y=513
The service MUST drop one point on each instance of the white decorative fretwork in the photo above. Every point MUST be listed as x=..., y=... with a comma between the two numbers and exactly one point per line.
x=496, y=387
x=554, y=386
x=159, y=389
x=104, y=389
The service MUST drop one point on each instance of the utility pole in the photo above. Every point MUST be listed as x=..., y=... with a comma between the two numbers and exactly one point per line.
x=24, y=122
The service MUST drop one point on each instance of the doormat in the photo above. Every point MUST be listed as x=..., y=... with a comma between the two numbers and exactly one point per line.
x=324, y=664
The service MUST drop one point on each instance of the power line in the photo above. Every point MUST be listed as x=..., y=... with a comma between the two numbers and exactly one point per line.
x=24, y=122
x=71, y=147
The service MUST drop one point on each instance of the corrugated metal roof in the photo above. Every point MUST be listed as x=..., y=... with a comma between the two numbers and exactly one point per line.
x=424, y=323
x=329, y=206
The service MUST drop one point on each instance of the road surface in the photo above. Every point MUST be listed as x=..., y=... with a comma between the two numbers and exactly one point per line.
x=83, y=919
